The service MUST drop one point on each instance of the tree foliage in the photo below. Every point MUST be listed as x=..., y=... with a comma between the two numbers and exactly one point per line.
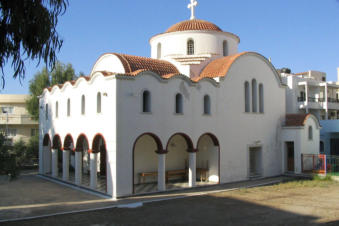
x=60, y=74
x=28, y=31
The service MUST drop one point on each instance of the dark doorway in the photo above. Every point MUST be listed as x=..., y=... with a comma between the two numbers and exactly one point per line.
x=335, y=146
x=255, y=167
x=290, y=156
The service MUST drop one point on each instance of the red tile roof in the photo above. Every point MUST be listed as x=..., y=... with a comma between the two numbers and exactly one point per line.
x=218, y=67
x=195, y=25
x=133, y=65
x=296, y=119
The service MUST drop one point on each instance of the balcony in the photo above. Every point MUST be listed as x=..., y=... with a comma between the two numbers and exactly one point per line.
x=318, y=103
x=15, y=119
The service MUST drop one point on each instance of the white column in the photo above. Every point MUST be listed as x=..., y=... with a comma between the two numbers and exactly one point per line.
x=41, y=160
x=78, y=167
x=93, y=168
x=65, y=165
x=55, y=162
x=161, y=172
x=326, y=103
x=306, y=94
x=192, y=169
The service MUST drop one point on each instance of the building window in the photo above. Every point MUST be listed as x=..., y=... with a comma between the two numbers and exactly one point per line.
x=34, y=132
x=10, y=132
x=159, y=51
x=247, y=96
x=57, y=109
x=46, y=111
x=261, y=98
x=190, y=47
x=99, y=102
x=302, y=96
x=310, y=133
x=8, y=110
x=254, y=96
x=68, y=107
x=225, y=48
x=146, y=101
x=322, y=147
x=179, y=108
x=83, y=105
x=207, y=105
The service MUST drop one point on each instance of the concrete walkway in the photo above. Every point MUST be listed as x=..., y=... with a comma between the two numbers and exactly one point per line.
x=31, y=196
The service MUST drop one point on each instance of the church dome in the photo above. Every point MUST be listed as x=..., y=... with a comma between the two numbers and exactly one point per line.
x=194, y=25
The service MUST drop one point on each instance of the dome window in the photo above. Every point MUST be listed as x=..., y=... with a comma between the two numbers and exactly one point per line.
x=225, y=48
x=190, y=47
x=159, y=51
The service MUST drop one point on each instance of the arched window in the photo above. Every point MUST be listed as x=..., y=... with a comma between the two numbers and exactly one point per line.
x=310, y=133
x=190, y=47
x=46, y=111
x=159, y=51
x=57, y=109
x=247, y=97
x=179, y=108
x=99, y=102
x=146, y=101
x=207, y=105
x=225, y=48
x=68, y=107
x=261, y=98
x=83, y=105
x=254, y=96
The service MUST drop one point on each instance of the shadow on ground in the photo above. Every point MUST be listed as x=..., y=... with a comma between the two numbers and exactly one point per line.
x=199, y=210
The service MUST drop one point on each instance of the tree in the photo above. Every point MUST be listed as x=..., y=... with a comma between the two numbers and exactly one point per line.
x=28, y=31
x=60, y=74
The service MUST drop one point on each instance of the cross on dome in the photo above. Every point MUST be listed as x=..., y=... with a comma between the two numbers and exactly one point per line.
x=192, y=6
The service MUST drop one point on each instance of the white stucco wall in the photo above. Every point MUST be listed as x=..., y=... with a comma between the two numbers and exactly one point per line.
x=91, y=123
x=205, y=42
x=235, y=130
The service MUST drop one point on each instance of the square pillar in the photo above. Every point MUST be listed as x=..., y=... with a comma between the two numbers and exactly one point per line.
x=78, y=167
x=192, y=169
x=55, y=162
x=93, y=170
x=65, y=164
x=41, y=159
x=161, y=170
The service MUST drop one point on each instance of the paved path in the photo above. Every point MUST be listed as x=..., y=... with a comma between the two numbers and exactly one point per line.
x=31, y=196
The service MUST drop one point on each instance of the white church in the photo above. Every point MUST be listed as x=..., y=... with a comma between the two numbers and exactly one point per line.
x=197, y=113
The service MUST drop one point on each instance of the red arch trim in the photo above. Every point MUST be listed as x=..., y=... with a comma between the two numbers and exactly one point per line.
x=212, y=136
x=79, y=146
x=95, y=147
x=67, y=142
x=187, y=139
x=57, y=142
x=46, y=140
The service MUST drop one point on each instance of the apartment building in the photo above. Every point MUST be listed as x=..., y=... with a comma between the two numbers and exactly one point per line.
x=15, y=122
x=310, y=92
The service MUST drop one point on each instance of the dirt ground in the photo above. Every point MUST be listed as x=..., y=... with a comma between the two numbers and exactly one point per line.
x=292, y=203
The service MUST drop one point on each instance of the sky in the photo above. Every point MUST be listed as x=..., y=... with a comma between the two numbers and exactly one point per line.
x=299, y=34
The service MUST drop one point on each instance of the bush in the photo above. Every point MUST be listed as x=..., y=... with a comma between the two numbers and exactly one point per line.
x=8, y=165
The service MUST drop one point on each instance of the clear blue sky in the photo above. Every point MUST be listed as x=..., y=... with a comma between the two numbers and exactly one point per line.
x=299, y=34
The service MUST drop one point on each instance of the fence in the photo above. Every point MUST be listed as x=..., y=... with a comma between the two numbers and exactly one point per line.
x=321, y=164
